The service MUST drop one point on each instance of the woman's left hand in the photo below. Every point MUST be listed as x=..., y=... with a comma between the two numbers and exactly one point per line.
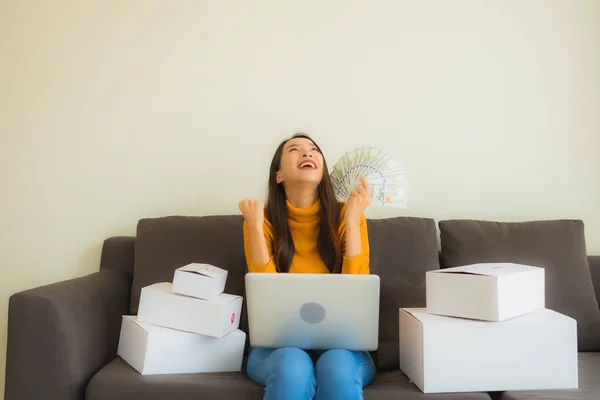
x=359, y=200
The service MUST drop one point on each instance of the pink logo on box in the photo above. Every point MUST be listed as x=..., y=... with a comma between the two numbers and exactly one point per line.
x=232, y=318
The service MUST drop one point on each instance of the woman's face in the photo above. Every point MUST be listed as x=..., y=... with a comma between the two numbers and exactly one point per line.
x=301, y=162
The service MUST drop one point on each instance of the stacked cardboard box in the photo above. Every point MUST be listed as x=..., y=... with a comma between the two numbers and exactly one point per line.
x=486, y=328
x=187, y=326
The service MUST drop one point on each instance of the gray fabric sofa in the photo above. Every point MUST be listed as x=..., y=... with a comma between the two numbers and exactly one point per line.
x=62, y=338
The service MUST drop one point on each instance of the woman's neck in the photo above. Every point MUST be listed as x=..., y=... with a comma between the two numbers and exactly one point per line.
x=301, y=197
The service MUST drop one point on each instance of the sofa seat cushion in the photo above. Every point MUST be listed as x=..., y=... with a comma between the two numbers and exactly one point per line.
x=119, y=381
x=589, y=384
x=395, y=385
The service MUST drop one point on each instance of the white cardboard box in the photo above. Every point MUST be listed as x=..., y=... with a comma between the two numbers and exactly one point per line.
x=151, y=349
x=487, y=291
x=203, y=281
x=216, y=317
x=441, y=354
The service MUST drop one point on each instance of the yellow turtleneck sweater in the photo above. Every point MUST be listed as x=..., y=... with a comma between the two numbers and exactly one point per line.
x=304, y=224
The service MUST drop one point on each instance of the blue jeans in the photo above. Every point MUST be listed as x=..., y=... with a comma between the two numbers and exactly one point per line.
x=289, y=373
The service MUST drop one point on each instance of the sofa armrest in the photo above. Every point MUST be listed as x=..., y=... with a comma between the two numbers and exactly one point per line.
x=61, y=334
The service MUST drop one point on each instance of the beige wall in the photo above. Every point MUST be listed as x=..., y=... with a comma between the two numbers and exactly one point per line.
x=111, y=111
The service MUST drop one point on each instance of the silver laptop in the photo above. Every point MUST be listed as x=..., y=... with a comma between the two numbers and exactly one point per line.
x=313, y=311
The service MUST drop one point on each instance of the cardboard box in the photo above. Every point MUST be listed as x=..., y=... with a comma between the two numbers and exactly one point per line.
x=441, y=354
x=152, y=350
x=489, y=292
x=203, y=281
x=216, y=317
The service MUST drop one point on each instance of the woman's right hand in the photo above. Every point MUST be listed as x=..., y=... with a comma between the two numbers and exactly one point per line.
x=253, y=211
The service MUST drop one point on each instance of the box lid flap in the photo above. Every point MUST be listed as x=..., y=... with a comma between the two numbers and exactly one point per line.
x=542, y=315
x=148, y=327
x=203, y=269
x=433, y=319
x=425, y=318
x=224, y=298
x=488, y=269
x=165, y=287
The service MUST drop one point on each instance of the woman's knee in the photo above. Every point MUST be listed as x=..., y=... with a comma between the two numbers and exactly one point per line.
x=342, y=374
x=291, y=363
x=336, y=366
x=258, y=365
x=291, y=373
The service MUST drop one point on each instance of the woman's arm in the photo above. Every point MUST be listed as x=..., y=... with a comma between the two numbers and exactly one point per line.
x=355, y=247
x=257, y=248
x=353, y=239
x=353, y=232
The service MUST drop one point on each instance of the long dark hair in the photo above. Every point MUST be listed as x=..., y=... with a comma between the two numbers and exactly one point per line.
x=328, y=242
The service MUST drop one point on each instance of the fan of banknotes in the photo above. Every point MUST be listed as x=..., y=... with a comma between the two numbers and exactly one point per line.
x=385, y=177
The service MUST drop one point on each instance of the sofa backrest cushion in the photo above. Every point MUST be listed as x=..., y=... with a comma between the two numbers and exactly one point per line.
x=165, y=244
x=401, y=251
x=558, y=246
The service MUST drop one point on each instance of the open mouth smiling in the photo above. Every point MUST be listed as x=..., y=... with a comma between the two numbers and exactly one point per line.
x=307, y=164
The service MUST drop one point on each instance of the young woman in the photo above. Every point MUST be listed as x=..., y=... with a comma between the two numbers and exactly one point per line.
x=304, y=229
